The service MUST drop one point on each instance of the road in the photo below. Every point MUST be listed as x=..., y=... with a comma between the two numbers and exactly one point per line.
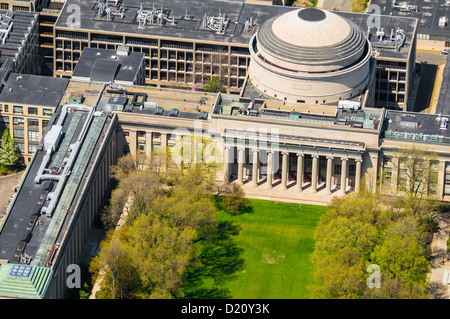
x=430, y=61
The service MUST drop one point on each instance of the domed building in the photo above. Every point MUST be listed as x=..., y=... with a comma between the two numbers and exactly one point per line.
x=310, y=56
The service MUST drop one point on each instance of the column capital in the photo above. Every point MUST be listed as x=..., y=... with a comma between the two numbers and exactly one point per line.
x=285, y=153
x=315, y=155
x=300, y=154
x=358, y=160
x=255, y=149
x=344, y=159
x=330, y=157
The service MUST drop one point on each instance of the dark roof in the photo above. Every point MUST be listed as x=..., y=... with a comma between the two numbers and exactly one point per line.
x=443, y=105
x=33, y=90
x=388, y=23
x=237, y=13
x=106, y=65
x=428, y=14
x=415, y=127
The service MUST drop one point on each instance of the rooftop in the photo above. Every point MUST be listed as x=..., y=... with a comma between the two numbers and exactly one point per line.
x=416, y=127
x=17, y=27
x=443, y=105
x=347, y=114
x=199, y=20
x=101, y=65
x=33, y=90
x=428, y=13
x=42, y=210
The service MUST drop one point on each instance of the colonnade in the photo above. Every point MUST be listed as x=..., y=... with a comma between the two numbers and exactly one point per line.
x=257, y=175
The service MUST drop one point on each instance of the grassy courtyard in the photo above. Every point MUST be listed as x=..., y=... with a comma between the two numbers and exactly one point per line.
x=278, y=240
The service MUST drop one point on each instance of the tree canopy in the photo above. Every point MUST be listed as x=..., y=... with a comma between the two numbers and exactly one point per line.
x=171, y=244
x=8, y=150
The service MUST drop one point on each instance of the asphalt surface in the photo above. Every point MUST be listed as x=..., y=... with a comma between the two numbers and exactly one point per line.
x=430, y=61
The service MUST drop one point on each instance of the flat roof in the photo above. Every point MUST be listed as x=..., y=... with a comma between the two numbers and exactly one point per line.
x=406, y=24
x=428, y=14
x=236, y=12
x=443, y=105
x=27, y=232
x=106, y=65
x=22, y=21
x=415, y=127
x=31, y=89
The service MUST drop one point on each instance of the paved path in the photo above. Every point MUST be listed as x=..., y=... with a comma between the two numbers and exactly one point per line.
x=7, y=184
x=439, y=262
x=291, y=195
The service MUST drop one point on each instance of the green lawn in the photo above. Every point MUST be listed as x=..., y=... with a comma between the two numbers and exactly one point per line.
x=278, y=241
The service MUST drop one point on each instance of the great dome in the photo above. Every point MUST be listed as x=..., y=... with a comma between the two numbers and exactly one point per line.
x=310, y=56
x=311, y=40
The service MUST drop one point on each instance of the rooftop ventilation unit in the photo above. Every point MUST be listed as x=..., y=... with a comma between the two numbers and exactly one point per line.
x=442, y=21
x=349, y=105
x=152, y=16
x=217, y=24
x=405, y=7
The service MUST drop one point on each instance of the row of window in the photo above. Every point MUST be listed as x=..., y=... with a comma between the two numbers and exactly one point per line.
x=17, y=109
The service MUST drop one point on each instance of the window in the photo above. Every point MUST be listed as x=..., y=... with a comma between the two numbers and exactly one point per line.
x=32, y=110
x=6, y=109
x=18, y=121
x=44, y=124
x=126, y=133
x=141, y=133
x=21, y=147
x=4, y=121
x=18, y=133
x=141, y=147
x=33, y=123
x=402, y=179
x=433, y=182
x=1, y=107
x=18, y=109
x=387, y=176
x=32, y=148
x=48, y=112
x=33, y=136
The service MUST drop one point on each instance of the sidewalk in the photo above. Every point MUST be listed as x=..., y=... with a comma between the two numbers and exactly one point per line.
x=291, y=195
x=439, y=263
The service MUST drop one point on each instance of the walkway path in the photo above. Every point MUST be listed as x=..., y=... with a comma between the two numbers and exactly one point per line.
x=7, y=184
x=439, y=262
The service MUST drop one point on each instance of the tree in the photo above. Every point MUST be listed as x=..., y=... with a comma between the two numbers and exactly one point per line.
x=169, y=229
x=361, y=229
x=417, y=179
x=8, y=150
x=214, y=85
x=234, y=202
x=401, y=253
x=114, y=269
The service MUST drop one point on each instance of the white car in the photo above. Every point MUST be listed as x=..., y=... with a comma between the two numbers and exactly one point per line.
x=445, y=51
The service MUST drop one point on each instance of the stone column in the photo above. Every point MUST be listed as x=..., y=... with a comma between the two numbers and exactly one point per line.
x=358, y=175
x=314, y=173
x=344, y=176
x=148, y=144
x=300, y=164
x=441, y=180
x=241, y=159
x=269, y=169
x=255, y=168
x=329, y=171
x=227, y=164
x=284, y=170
